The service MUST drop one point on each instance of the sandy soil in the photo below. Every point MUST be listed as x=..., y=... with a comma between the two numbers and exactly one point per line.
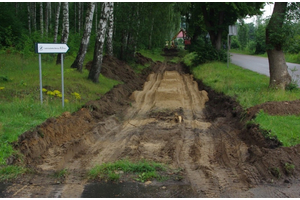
x=162, y=115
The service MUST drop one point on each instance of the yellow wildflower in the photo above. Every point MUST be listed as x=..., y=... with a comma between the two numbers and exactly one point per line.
x=1, y=88
x=66, y=101
x=44, y=90
x=56, y=92
x=77, y=96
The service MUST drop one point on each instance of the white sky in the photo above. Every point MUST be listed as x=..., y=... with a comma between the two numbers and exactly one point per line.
x=268, y=9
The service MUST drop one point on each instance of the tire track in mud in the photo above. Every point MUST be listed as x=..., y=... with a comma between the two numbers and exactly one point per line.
x=165, y=123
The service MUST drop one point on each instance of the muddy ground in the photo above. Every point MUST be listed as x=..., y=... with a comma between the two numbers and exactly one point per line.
x=162, y=115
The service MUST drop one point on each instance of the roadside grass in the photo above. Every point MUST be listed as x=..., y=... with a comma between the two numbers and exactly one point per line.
x=285, y=128
x=21, y=108
x=143, y=170
x=249, y=89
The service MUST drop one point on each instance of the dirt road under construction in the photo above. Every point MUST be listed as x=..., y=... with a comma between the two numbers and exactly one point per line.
x=165, y=116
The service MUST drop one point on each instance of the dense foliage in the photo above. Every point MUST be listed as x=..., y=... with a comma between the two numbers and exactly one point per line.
x=137, y=26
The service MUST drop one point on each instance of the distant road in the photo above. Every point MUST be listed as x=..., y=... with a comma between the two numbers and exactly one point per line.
x=259, y=64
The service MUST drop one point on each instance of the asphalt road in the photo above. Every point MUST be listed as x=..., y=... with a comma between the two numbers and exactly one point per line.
x=261, y=65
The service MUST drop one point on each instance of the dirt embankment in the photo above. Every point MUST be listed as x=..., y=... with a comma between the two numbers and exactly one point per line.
x=165, y=116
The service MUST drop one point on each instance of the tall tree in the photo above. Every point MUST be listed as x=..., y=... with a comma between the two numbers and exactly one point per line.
x=279, y=76
x=34, y=16
x=98, y=50
x=78, y=63
x=29, y=17
x=110, y=30
x=57, y=22
x=47, y=13
x=41, y=19
x=218, y=16
x=65, y=29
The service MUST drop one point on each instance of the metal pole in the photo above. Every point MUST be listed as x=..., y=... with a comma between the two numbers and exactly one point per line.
x=41, y=84
x=228, y=51
x=62, y=81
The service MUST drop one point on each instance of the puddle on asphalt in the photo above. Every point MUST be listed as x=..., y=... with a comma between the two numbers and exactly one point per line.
x=136, y=190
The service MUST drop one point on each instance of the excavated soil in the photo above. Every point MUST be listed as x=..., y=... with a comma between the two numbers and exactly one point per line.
x=162, y=115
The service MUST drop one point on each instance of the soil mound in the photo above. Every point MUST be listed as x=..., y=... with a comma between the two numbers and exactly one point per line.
x=277, y=108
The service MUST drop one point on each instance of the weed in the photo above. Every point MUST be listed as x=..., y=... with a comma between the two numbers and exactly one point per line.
x=145, y=170
x=113, y=176
x=61, y=174
x=11, y=172
x=275, y=172
x=289, y=168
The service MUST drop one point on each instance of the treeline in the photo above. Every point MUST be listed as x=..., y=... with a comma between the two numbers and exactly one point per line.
x=136, y=25
x=252, y=36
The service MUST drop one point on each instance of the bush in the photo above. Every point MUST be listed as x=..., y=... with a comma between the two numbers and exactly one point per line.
x=205, y=52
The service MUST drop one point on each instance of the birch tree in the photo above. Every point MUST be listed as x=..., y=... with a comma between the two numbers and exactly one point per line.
x=47, y=18
x=65, y=29
x=110, y=30
x=57, y=22
x=98, y=51
x=78, y=63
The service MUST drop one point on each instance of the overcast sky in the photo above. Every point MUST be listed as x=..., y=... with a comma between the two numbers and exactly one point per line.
x=268, y=9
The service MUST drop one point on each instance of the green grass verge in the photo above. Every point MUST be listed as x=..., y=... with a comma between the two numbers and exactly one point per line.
x=144, y=170
x=285, y=128
x=21, y=109
x=250, y=89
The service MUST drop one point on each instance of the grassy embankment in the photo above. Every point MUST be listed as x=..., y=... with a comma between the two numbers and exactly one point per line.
x=250, y=89
x=20, y=106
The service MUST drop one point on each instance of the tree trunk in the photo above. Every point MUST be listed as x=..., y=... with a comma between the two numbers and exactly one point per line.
x=34, y=16
x=41, y=19
x=65, y=29
x=78, y=63
x=57, y=22
x=47, y=19
x=29, y=18
x=150, y=35
x=110, y=30
x=96, y=17
x=279, y=76
x=98, y=51
x=79, y=16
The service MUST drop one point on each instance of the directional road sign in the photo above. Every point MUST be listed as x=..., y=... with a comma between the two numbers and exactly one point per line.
x=51, y=48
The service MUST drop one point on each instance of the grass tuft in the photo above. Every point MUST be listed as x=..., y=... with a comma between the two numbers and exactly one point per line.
x=145, y=170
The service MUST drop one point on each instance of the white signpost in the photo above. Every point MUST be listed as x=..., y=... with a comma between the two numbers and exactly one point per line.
x=51, y=48
x=232, y=31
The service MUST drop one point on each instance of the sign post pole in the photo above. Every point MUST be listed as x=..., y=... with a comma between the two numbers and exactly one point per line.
x=62, y=81
x=232, y=31
x=52, y=48
x=41, y=85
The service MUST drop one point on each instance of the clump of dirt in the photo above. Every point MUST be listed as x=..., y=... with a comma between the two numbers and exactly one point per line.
x=276, y=108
